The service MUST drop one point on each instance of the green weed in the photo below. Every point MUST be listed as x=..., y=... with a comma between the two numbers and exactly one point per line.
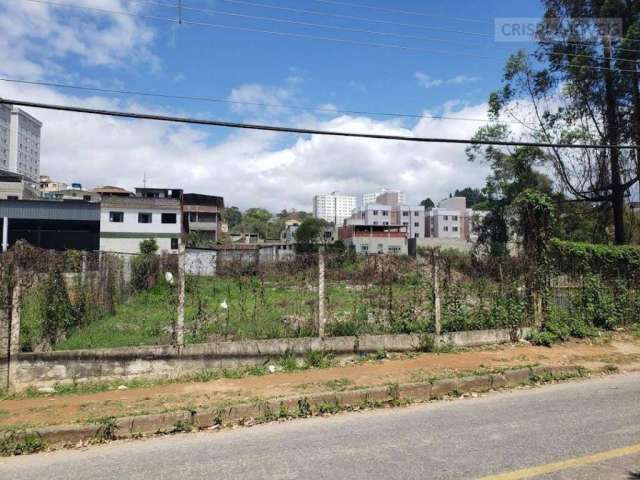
x=19, y=442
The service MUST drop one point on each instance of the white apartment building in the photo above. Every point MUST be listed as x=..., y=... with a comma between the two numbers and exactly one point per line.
x=334, y=208
x=452, y=219
x=5, y=126
x=127, y=221
x=399, y=197
x=410, y=217
x=24, y=144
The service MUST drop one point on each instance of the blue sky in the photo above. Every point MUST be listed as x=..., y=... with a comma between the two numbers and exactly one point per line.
x=43, y=42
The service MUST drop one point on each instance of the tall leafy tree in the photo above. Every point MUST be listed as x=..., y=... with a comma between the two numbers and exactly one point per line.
x=427, y=203
x=514, y=170
x=582, y=86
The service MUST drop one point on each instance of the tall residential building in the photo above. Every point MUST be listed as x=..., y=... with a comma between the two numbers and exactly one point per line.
x=389, y=197
x=334, y=208
x=5, y=123
x=23, y=143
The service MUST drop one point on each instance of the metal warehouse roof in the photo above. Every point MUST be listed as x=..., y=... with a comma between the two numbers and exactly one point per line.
x=50, y=210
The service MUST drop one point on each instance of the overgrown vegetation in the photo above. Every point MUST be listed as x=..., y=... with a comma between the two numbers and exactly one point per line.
x=18, y=442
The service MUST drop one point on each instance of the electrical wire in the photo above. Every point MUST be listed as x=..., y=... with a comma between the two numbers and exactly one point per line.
x=302, y=131
x=256, y=104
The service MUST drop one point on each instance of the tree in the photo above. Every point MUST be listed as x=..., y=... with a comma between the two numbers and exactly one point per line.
x=427, y=203
x=513, y=171
x=587, y=90
x=473, y=196
x=254, y=220
x=232, y=216
x=309, y=233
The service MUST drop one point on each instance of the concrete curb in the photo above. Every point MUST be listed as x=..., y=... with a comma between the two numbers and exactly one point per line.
x=299, y=406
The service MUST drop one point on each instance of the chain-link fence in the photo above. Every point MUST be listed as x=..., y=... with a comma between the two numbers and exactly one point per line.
x=72, y=300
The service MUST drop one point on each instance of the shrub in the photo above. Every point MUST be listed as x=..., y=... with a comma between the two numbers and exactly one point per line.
x=544, y=338
x=346, y=328
x=149, y=246
x=144, y=272
x=318, y=359
x=14, y=442
x=578, y=258
x=58, y=313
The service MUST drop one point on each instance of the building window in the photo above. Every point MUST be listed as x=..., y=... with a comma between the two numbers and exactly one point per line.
x=12, y=197
x=385, y=213
x=394, y=249
x=454, y=218
x=445, y=217
x=445, y=228
x=87, y=198
x=116, y=217
x=364, y=248
x=405, y=224
x=375, y=223
x=417, y=235
x=405, y=214
x=417, y=214
x=455, y=229
x=144, y=217
x=417, y=224
x=169, y=218
x=174, y=244
x=375, y=212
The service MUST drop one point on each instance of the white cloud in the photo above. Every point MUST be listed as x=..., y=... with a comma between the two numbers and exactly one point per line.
x=427, y=81
x=256, y=96
x=460, y=79
x=36, y=37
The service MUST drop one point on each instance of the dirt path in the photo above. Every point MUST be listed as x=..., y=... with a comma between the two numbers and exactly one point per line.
x=58, y=409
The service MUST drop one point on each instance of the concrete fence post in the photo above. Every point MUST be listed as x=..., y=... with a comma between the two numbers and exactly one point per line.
x=179, y=333
x=9, y=331
x=5, y=334
x=321, y=311
x=14, y=330
x=437, y=308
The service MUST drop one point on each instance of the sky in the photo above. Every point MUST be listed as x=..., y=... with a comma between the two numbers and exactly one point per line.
x=414, y=57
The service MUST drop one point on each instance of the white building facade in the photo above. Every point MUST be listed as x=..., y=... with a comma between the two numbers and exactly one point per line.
x=125, y=222
x=24, y=144
x=372, y=197
x=334, y=208
x=5, y=129
x=451, y=219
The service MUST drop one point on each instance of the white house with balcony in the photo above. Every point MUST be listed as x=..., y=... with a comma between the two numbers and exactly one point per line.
x=125, y=222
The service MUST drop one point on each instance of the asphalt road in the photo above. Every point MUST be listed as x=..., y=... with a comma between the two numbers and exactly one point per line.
x=470, y=438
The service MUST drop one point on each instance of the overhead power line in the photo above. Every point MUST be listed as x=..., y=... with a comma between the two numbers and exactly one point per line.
x=213, y=12
x=353, y=17
x=254, y=104
x=401, y=24
x=404, y=12
x=301, y=131
x=309, y=36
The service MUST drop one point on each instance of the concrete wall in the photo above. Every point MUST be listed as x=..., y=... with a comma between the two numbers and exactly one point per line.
x=200, y=262
x=47, y=369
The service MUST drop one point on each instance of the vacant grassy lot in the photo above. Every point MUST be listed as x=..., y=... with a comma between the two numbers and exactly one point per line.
x=254, y=310
x=263, y=307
